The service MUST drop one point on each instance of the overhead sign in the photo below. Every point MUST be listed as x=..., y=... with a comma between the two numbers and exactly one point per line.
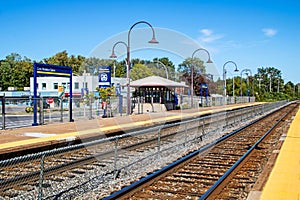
x=104, y=76
x=40, y=69
x=53, y=70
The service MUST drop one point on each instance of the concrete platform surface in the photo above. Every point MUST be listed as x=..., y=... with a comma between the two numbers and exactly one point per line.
x=284, y=180
x=20, y=138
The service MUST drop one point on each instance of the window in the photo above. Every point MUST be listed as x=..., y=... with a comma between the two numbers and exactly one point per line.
x=76, y=85
x=44, y=86
x=64, y=85
x=55, y=86
x=68, y=86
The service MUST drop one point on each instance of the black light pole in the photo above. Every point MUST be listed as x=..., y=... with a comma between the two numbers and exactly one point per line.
x=245, y=70
x=152, y=41
x=224, y=78
x=192, y=72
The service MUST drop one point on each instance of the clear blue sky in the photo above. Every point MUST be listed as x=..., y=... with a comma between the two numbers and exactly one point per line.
x=252, y=33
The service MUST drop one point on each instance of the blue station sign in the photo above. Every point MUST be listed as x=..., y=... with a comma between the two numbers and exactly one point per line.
x=104, y=76
x=52, y=70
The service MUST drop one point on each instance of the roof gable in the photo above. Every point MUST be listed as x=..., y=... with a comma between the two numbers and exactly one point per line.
x=156, y=81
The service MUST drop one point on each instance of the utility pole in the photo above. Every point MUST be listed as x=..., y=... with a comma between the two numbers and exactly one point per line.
x=270, y=82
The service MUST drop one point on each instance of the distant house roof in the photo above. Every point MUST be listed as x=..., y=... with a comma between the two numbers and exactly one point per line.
x=157, y=81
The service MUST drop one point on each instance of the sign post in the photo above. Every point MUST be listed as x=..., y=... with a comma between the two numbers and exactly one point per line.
x=104, y=76
x=50, y=70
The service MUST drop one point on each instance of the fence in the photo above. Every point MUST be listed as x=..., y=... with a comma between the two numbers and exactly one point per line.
x=213, y=101
x=44, y=175
x=18, y=111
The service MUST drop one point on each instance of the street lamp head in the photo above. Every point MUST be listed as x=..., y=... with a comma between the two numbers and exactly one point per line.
x=153, y=41
x=209, y=60
x=113, y=55
x=236, y=70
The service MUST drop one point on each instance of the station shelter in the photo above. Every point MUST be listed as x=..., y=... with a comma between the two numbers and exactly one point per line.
x=157, y=90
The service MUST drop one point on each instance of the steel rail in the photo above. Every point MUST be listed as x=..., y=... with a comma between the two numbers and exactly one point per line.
x=155, y=174
x=235, y=165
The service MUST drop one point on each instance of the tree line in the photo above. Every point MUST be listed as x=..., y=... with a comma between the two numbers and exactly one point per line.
x=266, y=85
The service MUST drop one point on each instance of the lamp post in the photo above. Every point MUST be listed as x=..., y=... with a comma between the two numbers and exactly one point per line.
x=270, y=74
x=245, y=70
x=152, y=41
x=259, y=81
x=224, y=78
x=166, y=69
x=277, y=85
x=192, y=72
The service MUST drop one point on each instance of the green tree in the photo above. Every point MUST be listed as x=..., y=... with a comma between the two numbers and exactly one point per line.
x=106, y=93
x=6, y=71
x=184, y=69
x=90, y=65
x=15, y=72
x=62, y=59
x=140, y=71
x=185, y=66
x=162, y=67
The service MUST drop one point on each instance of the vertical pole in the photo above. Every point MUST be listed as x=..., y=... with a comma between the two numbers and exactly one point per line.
x=116, y=157
x=142, y=108
x=185, y=134
x=40, y=191
x=234, y=116
x=41, y=111
x=71, y=97
x=61, y=110
x=3, y=111
x=233, y=90
x=224, y=78
x=91, y=107
x=203, y=129
x=158, y=142
x=34, y=95
x=192, y=85
x=226, y=115
x=128, y=76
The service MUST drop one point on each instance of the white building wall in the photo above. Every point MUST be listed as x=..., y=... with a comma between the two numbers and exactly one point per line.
x=78, y=81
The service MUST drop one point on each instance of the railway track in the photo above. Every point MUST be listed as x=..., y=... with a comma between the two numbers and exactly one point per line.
x=63, y=172
x=226, y=170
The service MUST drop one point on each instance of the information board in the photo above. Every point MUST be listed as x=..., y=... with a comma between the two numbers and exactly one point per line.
x=104, y=76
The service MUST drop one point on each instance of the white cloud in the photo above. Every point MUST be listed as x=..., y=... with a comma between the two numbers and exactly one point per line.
x=208, y=36
x=269, y=32
x=206, y=32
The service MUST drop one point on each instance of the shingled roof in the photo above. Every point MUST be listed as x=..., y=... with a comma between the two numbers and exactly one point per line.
x=152, y=81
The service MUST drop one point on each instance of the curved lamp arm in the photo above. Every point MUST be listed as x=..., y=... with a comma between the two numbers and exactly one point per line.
x=113, y=55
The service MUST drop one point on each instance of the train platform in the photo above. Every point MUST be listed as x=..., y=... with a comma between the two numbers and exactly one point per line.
x=13, y=140
x=284, y=180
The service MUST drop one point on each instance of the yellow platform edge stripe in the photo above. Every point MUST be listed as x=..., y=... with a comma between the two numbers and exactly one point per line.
x=284, y=180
